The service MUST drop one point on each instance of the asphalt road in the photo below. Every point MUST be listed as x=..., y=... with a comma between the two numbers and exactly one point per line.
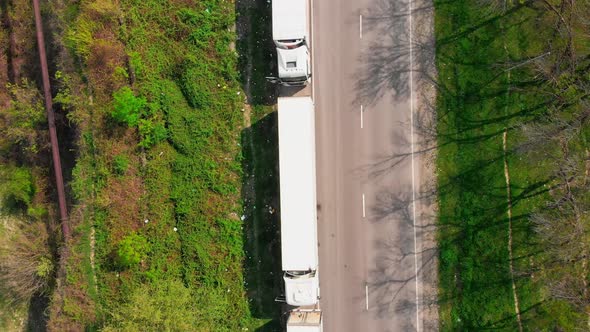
x=367, y=176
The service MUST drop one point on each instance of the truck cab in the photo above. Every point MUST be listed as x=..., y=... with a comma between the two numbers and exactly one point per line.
x=301, y=288
x=293, y=66
x=290, y=33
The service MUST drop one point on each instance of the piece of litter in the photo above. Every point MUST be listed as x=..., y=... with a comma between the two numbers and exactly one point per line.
x=175, y=229
x=146, y=221
x=243, y=217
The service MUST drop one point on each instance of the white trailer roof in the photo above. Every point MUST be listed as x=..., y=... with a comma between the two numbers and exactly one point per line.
x=289, y=19
x=297, y=184
x=304, y=321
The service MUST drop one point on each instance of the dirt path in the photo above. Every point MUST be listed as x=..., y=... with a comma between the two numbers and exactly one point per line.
x=510, y=254
x=509, y=212
x=509, y=200
x=426, y=201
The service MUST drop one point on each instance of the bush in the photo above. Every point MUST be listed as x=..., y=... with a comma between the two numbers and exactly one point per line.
x=120, y=164
x=165, y=305
x=196, y=82
x=25, y=260
x=132, y=249
x=78, y=37
x=22, y=119
x=127, y=107
x=17, y=188
x=151, y=133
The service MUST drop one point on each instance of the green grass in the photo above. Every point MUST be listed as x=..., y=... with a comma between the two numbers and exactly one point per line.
x=474, y=107
x=189, y=75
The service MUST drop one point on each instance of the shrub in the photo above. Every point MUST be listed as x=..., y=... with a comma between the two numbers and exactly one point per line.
x=127, y=107
x=165, y=305
x=17, y=188
x=78, y=37
x=151, y=132
x=22, y=118
x=132, y=249
x=136, y=63
x=120, y=164
x=196, y=82
x=25, y=260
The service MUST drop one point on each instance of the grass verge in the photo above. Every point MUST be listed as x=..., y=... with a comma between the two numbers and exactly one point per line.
x=478, y=99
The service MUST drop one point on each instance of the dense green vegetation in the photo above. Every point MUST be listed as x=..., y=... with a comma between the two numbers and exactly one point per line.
x=171, y=176
x=156, y=100
x=488, y=88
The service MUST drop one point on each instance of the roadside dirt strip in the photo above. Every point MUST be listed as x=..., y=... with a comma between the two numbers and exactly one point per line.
x=509, y=211
x=425, y=77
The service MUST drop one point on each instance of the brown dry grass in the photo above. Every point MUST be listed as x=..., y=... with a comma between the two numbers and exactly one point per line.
x=122, y=199
x=122, y=195
x=4, y=96
x=23, y=246
x=22, y=41
x=106, y=55
x=76, y=304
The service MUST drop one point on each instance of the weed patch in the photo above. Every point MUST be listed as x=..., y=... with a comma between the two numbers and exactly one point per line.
x=162, y=184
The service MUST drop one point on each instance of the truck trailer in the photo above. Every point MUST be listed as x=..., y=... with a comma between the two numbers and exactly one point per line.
x=305, y=320
x=290, y=32
x=297, y=171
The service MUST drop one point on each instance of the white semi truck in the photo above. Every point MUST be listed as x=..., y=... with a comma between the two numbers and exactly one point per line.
x=299, y=245
x=305, y=320
x=290, y=32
